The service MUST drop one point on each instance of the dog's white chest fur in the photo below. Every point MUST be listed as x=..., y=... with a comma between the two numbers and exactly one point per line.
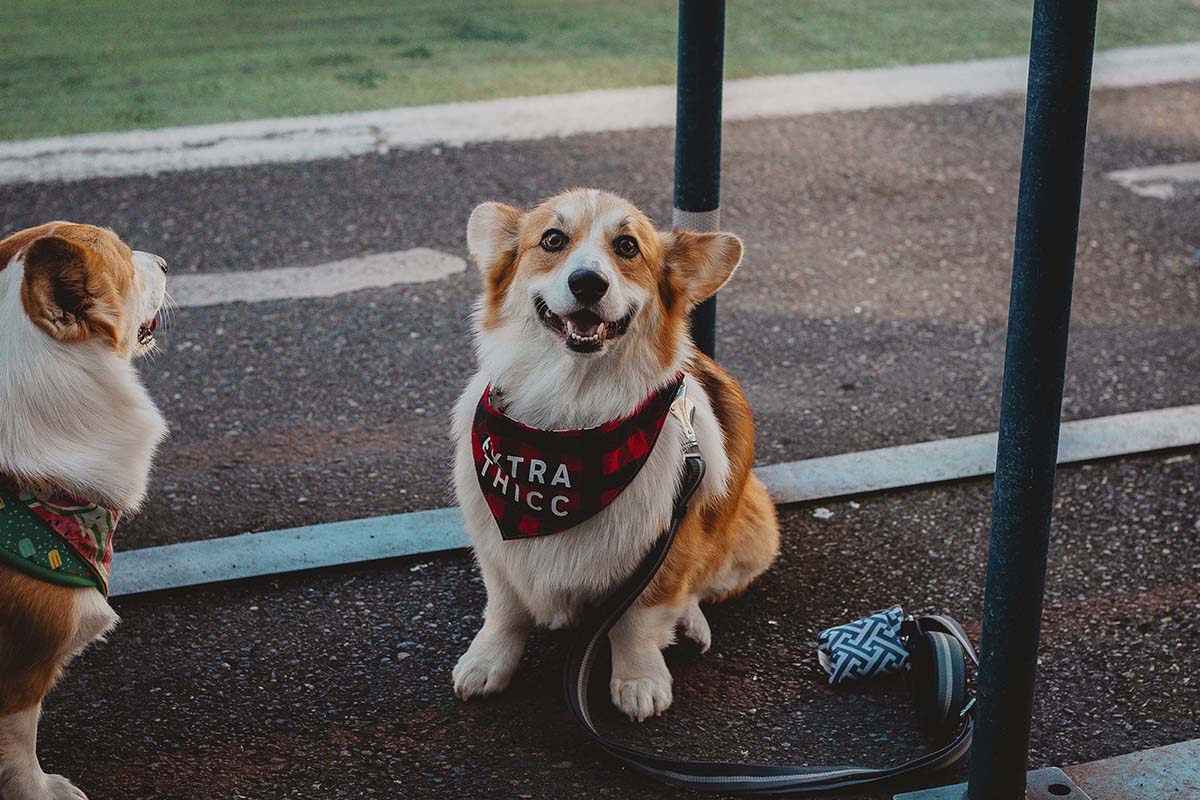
x=556, y=575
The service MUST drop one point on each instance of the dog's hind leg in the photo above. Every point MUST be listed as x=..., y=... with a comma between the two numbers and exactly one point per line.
x=495, y=652
x=756, y=547
x=41, y=628
x=20, y=773
x=695, y=626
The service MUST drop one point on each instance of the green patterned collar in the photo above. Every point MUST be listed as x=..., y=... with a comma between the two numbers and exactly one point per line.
x=56, y=536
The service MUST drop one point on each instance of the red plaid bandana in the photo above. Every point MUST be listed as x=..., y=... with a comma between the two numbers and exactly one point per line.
x=538, y=482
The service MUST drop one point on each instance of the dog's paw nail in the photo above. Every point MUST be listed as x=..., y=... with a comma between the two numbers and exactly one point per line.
x=703, y=639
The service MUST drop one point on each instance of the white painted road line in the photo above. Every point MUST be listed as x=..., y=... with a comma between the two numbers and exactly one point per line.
x=523, y=118
x=333, y=544
x=378, y=271
x=1159, y=181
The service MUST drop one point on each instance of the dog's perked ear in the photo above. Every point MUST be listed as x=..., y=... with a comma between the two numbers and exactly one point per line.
x=701, y=263
x=60, y=295
x=493, y=234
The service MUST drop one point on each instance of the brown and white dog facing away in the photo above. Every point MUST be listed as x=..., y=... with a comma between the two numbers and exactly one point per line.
x=76, y=305
x=539, y=343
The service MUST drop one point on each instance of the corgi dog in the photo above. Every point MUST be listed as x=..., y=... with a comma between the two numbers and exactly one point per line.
x=583, y=321
x=78, y=432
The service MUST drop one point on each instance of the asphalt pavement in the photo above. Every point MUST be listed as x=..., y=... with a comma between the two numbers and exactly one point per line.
x=337, y=683
x=870, y=312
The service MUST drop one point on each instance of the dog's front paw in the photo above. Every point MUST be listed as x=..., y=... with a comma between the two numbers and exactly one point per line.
x=486, y=668
x=641, y=698
x=38, y=786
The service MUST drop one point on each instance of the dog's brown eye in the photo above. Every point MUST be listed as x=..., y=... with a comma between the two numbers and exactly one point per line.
x=553, y=240
x=627, y=246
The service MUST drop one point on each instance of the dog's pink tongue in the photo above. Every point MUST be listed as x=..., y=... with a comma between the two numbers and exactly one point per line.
x=585, y=323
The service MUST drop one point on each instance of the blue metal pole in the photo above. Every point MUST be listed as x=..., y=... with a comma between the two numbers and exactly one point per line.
x=701, y=62
x=1060, y=67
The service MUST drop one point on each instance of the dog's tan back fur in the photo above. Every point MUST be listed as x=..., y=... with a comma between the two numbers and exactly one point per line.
x=725, y=543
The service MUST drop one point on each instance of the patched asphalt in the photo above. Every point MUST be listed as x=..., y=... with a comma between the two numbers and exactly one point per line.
x=870, y=312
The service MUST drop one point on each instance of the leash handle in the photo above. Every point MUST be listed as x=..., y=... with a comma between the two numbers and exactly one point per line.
x=712, y=776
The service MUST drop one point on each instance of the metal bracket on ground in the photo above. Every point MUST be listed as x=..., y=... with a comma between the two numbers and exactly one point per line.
x=1170, y=771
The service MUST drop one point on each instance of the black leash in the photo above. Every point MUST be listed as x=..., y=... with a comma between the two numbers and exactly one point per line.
x=941, y=634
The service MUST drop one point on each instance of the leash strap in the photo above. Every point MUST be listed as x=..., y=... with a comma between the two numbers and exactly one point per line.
x=713, y=776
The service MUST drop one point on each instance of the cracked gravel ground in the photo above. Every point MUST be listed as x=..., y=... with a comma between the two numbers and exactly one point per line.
x=870, y=312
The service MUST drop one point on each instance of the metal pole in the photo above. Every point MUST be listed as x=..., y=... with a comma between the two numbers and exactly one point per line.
x=698, y=136
x=1060, y=68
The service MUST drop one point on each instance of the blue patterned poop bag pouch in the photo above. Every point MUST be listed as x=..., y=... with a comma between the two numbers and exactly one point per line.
x=866, y=648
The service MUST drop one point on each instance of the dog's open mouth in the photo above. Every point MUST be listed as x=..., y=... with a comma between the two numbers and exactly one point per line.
x=583, y=331
x=146, y=332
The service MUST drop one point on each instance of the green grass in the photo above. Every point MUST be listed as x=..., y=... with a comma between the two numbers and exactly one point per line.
x=94, y=65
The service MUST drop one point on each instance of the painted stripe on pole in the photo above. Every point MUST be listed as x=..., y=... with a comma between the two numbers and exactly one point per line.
x=1159, y=181
x=311, y=138
x=377, y=271
x=698, y=221
x=337, y=543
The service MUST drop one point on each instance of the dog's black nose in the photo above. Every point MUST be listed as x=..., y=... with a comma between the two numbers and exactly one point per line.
x=587, y=285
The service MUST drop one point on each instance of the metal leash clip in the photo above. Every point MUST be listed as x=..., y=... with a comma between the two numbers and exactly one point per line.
x=684, y=410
